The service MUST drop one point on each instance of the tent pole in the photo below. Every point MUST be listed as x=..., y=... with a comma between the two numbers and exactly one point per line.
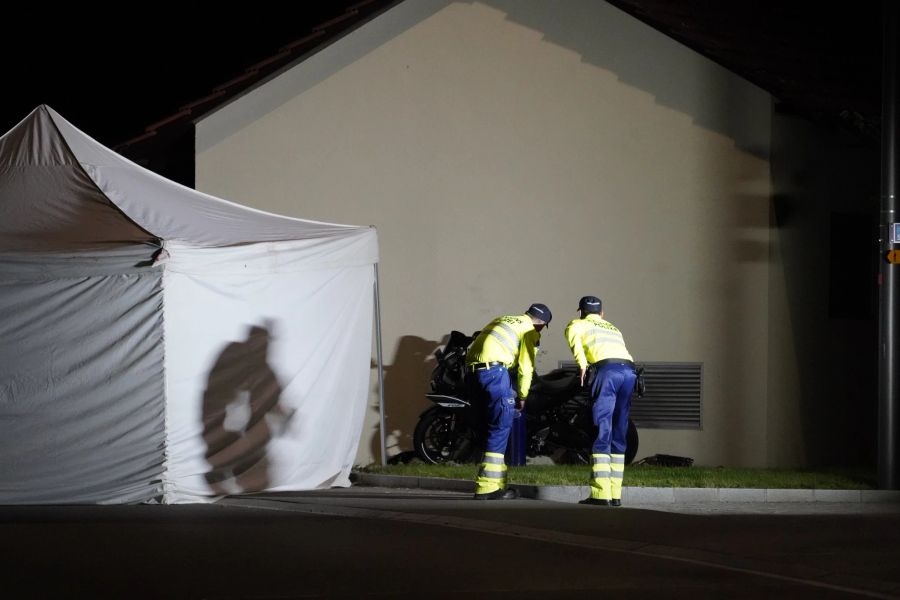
x=380, y=367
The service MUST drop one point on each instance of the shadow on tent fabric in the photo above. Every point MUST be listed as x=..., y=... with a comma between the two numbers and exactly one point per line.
x=241, y=414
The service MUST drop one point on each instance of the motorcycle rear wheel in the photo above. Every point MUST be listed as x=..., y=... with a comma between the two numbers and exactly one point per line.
x=443, y=436
x=631, y=442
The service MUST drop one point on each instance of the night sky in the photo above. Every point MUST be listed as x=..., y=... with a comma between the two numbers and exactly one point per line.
x=114, y=76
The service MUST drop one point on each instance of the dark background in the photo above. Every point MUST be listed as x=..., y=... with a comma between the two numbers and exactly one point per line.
x=113, y=76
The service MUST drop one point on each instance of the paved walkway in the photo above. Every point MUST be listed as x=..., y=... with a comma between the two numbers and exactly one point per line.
x=378, y=543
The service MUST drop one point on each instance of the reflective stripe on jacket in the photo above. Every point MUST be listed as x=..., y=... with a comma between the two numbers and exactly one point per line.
x=593, y=338
x=510, y=340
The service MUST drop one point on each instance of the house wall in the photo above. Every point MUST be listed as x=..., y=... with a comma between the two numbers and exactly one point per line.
x=521, y=151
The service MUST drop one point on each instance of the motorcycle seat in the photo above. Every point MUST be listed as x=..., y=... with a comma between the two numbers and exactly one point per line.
x=555, y=382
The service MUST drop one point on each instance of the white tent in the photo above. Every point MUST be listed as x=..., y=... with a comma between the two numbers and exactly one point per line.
x=160, y=344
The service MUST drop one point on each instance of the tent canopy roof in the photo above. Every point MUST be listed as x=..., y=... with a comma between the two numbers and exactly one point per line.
x=62, y=190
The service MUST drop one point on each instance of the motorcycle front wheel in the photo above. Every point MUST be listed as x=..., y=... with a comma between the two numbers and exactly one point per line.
x=443, y=436
x=631, y=442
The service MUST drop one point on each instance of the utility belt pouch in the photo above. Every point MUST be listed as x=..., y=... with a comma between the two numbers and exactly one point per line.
x=639, y=386
x=590, y=376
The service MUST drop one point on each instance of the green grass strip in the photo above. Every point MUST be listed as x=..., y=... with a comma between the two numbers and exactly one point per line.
x=655, y=476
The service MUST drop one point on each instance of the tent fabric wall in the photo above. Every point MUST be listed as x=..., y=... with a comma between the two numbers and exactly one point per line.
x=81, y=389
x=298, y=362
x=160, y=344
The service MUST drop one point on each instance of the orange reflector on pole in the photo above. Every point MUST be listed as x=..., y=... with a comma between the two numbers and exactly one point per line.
x=893, y=257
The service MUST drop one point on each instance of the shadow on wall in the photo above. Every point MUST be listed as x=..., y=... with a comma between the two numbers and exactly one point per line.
x=405, y=385
x=607, y=37
x=600, y=33
x=241, y=414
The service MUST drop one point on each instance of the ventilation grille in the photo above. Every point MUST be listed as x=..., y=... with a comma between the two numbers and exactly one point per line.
x=673, y=395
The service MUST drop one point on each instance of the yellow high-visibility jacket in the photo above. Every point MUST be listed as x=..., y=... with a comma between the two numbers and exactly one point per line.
x=510, y=340
x=593, y=339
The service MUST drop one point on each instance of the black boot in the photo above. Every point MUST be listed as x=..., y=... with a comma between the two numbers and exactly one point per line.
x=507, y=494
x=594, y=502
x=615, y=502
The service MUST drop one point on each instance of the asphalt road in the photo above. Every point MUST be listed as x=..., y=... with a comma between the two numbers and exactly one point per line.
x=378, y=543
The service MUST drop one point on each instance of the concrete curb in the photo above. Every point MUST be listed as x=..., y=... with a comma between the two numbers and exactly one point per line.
x=638, y=495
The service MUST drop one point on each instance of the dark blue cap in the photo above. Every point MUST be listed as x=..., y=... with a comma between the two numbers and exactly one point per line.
x=590, y=304
x=540, y=311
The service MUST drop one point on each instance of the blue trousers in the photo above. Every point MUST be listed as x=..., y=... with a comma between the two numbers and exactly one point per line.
x=496, y=399
x=611, y=393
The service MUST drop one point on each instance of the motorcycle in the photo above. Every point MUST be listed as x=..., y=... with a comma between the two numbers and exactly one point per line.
x=558, y=419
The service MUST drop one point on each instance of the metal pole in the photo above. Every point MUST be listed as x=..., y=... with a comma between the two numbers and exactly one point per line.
x=380, y=368
x=889, y=281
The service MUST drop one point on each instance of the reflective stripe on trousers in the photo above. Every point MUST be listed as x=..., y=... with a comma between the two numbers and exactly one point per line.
x=616, y=474
x=491, y=474
x=600, y=477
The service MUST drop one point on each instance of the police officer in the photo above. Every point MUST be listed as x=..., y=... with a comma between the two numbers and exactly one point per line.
x=504, y=343
x=600, y=351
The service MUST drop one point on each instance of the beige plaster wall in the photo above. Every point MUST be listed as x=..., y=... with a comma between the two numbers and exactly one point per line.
x=523, y=151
